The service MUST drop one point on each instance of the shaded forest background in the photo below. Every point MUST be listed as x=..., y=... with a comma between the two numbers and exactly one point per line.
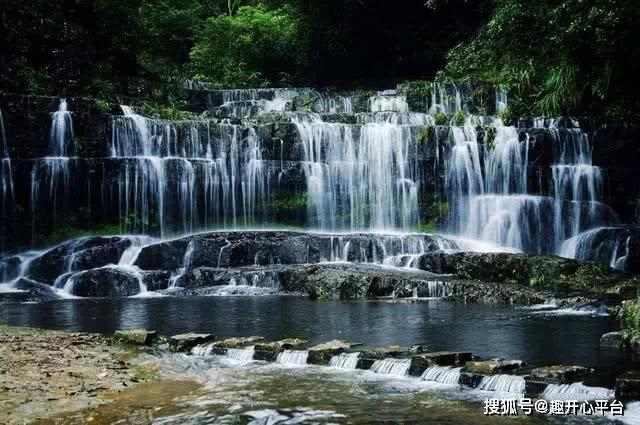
x=555, y=57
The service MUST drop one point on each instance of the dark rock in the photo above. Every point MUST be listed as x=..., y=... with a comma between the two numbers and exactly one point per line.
x=559, y=374
x=613, y=339
x=492, y=367
x=9, y=268
x=185, y=342
x=469, y=379
x=628, y=386
x=135, y=336
x=420, y=362
x=105, y=282
x=77, y=255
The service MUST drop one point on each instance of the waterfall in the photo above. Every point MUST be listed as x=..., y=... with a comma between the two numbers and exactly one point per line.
x=241, y=354
x=180, y=177
x=61, y=137
x=388, y=100
x=51, y=175
x=447, y=99
x=186, y=263
x=443, y=375
x=202, y=350
x=501, y=100
x=503, y=384
x=606, y=245
x=345, y=360
x=293, y=357
x=7, y=193
x=359, y=176
x=577, y=391
x=399, y=367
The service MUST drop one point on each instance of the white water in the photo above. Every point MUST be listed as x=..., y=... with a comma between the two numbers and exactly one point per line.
x=399, y=367
x=241, y=354
x=577, y=391
x=180, y=177
x=293, y=357
x=358, y=179
x=503, y=384
x=7, y=191
x=345, y=360
x=443, y=375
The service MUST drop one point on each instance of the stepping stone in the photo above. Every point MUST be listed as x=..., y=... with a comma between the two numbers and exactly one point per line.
x=134, y=336
x=185, y=342
x=559, y=374
x=321, y=354
x=420, y=362
x=628, y=385
x=492, y=367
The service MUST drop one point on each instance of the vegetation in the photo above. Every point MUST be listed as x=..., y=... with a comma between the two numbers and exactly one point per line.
x=556, y=57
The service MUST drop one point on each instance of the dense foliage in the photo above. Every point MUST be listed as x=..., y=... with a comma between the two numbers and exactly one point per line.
x=556, y=56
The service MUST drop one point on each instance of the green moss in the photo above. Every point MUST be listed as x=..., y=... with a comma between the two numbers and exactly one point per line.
x=459, y=118
x=65, y=232
x=424, y=135
x=170, y=111
x=491, y=137
x=441, y=118
x=102, y=105
x=630, y=316
x=291, y=203
x=430, y=226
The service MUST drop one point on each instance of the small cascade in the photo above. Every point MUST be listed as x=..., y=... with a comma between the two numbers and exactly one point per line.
x=202, y=350
x=186, y=263
x=253, y=283
x=447, y=99
x=241, y=354
x=577, y=391
x=439, y=289
x=345, y=360
x=359, y=177
x=503, y=384
x=399, y=367
x=443, y=375
x=293, y=357
x=388, y=100
x=501, y=100
x=606, y=245
x=61, y=138
x=577, y=184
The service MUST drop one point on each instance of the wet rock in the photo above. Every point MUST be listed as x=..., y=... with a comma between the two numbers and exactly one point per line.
x=135, y=336
x=77, y=255
x=471, y=380
x=9, y=268
x=613, y=339
x=492, y=367
x=420, y=362
x=105, y=282
x=267, y=352
x=30, y=291
x=185, y=342
x=240, y=342
x=292, y=343
x=321, y=354
x=628, y=385
x=559, y=374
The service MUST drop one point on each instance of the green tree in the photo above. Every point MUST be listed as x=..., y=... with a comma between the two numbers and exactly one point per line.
x=255, y=47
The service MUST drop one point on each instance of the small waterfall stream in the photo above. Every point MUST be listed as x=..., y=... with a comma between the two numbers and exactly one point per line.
x=345, y=360
x=7, y=190
x=443, y=375
x=293, y=357
x=577, y=391
x=398, y=367
x=503, y=384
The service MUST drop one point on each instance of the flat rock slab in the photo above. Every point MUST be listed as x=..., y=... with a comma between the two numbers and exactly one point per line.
x=628, y=385
x=492, y=367
x=420, y=362
x=135, y=336
x=185, y=342
x=322, y=353
x=559, y=374
x=240, y=342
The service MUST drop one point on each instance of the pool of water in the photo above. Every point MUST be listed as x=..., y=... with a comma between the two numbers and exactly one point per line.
x=540, y=337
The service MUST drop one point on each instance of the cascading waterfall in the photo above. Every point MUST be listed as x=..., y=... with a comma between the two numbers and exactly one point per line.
x=345, y=360
x=241, y=354
x=293, y=357
x=7, y=191
x=442, y=374
x=359, y=179
x=503, y=384
x=177, y=178
x=577, y=391
x=399, y=367
x=51, y=175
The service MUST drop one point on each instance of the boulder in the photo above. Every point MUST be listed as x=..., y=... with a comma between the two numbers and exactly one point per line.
x=628, y=385
x=613, y=339
x=559, y=374
x=267, y=352
x=135, y=336
x=105, y=282
x=77, y=255
x=185, y=342
x=492, y=367
x=420, y=362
